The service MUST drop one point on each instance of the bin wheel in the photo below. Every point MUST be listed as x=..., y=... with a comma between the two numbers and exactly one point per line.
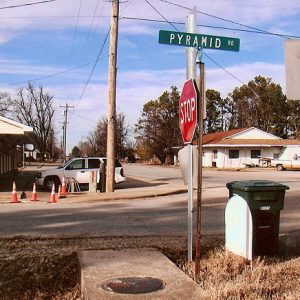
x=279, y=167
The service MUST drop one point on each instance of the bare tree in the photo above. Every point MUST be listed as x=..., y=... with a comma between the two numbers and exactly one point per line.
x=95, y=142
x=5, y=104
x=33, y=107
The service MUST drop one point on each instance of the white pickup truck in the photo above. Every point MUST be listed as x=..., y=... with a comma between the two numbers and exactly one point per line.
x=77, y=168
x=281, y=164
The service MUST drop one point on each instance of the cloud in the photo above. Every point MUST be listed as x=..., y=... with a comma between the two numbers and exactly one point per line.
x=61, y=15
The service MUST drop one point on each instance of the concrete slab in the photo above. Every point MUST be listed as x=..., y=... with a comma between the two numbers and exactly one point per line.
x=98, y=266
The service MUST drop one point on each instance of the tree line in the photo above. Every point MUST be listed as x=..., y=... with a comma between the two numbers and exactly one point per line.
x=259, y=103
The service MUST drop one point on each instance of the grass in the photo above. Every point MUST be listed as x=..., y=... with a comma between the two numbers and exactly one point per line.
x=227, y=276
x=37, y=268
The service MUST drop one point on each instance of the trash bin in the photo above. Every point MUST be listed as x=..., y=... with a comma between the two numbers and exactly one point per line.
x=265, y=200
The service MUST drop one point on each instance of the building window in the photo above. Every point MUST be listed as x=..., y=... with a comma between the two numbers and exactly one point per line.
x=255, y=154
x=215, y=154
x=234, y=154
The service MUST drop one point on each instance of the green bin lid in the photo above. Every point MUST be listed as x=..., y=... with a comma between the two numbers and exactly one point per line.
x=256, y=185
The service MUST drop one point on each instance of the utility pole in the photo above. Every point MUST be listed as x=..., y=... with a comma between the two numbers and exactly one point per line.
x=111, y=115
x=66, y=107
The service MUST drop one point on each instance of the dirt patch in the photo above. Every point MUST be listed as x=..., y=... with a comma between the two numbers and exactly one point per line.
x=47, y=268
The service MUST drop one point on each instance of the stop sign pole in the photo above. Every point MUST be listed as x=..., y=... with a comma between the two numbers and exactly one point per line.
x=199, y=41
x=199, y=179
x=188, y=118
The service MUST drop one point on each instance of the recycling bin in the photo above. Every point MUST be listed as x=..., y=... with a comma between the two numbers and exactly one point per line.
x=265, y=200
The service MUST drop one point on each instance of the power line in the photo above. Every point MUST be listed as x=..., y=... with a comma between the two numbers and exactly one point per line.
x=83, y=54
x=73, y=41
x=229, y=73
x=218, y=18
x=49, y=76
x=161, y=15
x=255, y=31
x=49, y=17
x=93, y=69
x=85, y=118
x=212, y=26
x=27, y=4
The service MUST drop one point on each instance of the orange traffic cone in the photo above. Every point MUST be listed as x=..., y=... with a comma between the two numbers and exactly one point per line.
x=34, y=196
x=52, y=196
x=63, y=188
x=14, y=196
x=58, y=193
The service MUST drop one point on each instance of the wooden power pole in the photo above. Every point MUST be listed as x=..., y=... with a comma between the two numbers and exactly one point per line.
x=111, y=116
x=66, y=107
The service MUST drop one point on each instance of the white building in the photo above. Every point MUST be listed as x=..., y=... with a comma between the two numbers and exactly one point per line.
x=245, y=147
x=12, y=134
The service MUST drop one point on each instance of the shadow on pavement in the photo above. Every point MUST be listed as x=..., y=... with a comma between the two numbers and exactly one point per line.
x=25, y=178
x=136, y=183
x=24, y=181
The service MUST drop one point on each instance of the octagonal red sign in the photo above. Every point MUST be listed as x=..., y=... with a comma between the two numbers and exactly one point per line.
x=188, y=116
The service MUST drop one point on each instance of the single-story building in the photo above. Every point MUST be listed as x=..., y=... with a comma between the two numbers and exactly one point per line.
x=12, y=137
x=245, y=147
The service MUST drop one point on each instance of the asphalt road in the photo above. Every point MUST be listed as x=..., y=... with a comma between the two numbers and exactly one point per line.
x=150, y=216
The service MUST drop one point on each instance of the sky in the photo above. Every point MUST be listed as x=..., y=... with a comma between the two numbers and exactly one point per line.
x=63, y=45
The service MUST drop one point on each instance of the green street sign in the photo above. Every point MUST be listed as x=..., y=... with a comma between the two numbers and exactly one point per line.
x=198, y=40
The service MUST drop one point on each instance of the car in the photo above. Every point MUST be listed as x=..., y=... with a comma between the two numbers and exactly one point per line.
x=77, y=168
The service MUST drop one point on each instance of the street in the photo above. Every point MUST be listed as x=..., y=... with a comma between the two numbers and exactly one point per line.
x=148, y=216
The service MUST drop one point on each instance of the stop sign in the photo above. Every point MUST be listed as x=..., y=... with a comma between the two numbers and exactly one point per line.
x=188, y=110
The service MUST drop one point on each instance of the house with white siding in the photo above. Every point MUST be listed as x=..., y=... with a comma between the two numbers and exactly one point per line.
x=12, y=135
x=246, y=147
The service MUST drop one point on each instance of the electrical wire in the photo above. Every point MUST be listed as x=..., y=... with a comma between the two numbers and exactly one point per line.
x=72, y=46
x=85, y=118
x=161, y=15
x=91, y=73
x=50, y=17
x=50, y=75
x=222, y=19
x=214, y=27
x=83, y=54
x=229, y=73
x=158, y=21
x=26, y=4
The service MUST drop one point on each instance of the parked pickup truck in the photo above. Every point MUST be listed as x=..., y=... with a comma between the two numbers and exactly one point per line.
x=281, y=164
x=77, y=168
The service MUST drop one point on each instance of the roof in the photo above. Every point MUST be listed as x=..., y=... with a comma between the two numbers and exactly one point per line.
x=254, y=142
x=8, y=126
x=218, y=136
x=14, y=132
x=230, y=139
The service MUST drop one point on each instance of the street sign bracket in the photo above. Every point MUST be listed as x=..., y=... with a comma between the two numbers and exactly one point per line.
x=199, y=55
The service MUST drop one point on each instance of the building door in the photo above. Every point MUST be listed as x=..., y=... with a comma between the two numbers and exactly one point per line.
x=215, y=157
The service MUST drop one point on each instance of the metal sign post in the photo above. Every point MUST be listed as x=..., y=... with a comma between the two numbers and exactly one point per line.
x=200, y=154
x=188, y=119
x=191, y=26
x=186, y=116
x=190, y=204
